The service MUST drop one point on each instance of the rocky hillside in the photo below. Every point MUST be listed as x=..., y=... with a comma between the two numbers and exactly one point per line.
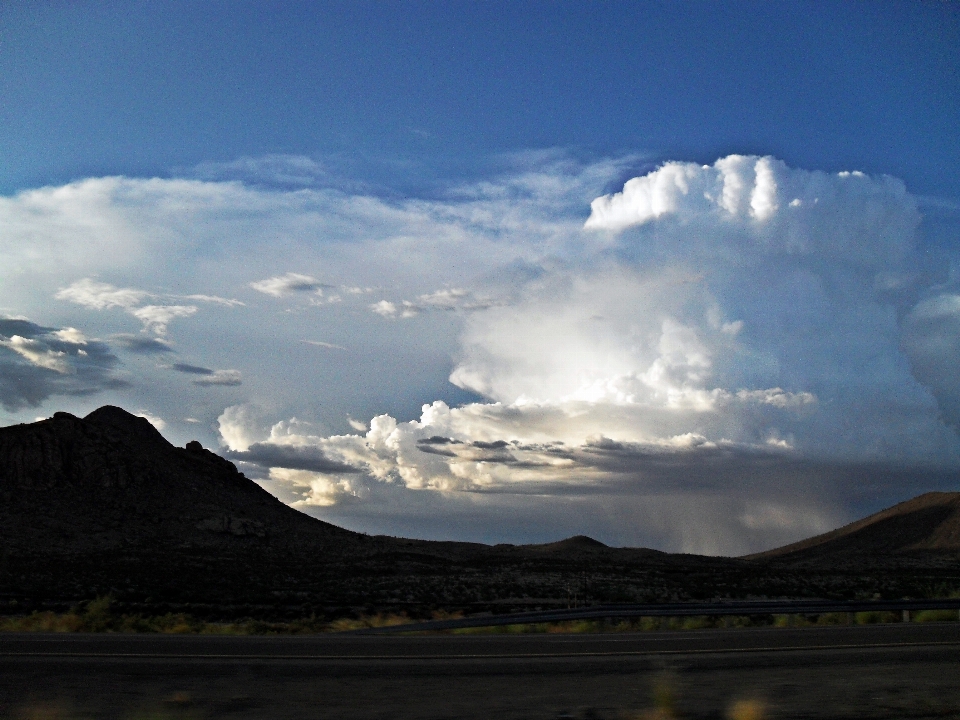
x=111, y=481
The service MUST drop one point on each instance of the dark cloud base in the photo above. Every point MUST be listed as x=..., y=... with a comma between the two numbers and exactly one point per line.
x=142, y=344
x=267, y=455
x=88, y=368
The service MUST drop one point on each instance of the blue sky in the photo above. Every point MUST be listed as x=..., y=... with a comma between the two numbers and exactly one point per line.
x=142, y=88
x=376, y=253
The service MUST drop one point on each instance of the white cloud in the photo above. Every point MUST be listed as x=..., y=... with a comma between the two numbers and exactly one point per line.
x=320, y=343
x=289, y=283
x=274, y=169
x=851, y=217
x=404, y=309
x=944, y=306
x=448, y=299
x=719, y=325
x=931, y=340
x=220, y=377
x=156, y=318
x=70, y=335
x=240, y=427
x=318, y=489
x=154, y=420
x=733, y=316
x=226, y=302
x=38, y=362
x=37, y=353
x=100, y=296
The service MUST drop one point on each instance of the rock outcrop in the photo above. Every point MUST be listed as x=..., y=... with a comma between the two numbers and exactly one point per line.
x=111, y=480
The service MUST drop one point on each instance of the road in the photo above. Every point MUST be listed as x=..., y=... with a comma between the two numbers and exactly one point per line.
x=880, y=671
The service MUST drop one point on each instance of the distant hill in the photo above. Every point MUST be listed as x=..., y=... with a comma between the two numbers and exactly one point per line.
x=927, y=524
x=105, y=505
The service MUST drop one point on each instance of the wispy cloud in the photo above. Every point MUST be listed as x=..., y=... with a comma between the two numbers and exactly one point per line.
x=320, y=343
x=208, y=376
x=288, y=283
x=155, y=318
x=447, y=299
x=100, y=296
x=142, y=345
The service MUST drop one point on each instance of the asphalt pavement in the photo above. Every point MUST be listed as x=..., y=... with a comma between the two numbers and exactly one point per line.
x=879, y=671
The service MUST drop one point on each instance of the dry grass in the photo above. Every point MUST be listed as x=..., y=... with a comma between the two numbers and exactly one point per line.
x=99, y=616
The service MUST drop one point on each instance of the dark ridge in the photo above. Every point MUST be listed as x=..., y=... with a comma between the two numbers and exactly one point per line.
x=575, y=543
x=111, y=480
x=104, y=505
x=929, y=522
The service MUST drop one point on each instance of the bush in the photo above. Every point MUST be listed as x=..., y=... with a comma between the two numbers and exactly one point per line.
x=876, y=617
x=934, y=616
x=835, y=618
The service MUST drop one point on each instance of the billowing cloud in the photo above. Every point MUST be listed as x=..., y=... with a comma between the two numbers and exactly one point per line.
x=731, y=322
x=154, y=420
x=710, y=358
x=240, y=427
x=932, y=342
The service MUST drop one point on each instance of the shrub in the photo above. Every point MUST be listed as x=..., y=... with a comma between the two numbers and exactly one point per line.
x=934, y=616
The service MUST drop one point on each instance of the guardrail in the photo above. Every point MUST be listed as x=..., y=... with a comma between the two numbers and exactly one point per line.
x=713, y=609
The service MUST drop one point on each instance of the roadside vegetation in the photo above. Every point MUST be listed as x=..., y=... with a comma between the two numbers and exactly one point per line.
x=101, y=615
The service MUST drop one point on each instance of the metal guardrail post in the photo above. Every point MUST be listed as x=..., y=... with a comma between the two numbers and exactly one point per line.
x=905, y=616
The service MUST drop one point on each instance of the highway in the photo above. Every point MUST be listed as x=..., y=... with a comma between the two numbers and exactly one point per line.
x=880, y=671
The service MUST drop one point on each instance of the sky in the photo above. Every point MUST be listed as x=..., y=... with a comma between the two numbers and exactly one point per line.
x=674, y=275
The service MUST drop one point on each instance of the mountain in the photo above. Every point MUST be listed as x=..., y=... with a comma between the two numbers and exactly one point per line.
x=105, y=505
x=111, y=481
x=926, y=526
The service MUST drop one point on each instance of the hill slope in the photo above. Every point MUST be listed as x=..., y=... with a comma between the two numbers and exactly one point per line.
x=105, y=505
x=929, y=523
x=111, y=481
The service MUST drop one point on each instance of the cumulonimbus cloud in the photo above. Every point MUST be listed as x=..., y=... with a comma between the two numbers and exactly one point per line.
x=734, y=318
x=676, y=342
